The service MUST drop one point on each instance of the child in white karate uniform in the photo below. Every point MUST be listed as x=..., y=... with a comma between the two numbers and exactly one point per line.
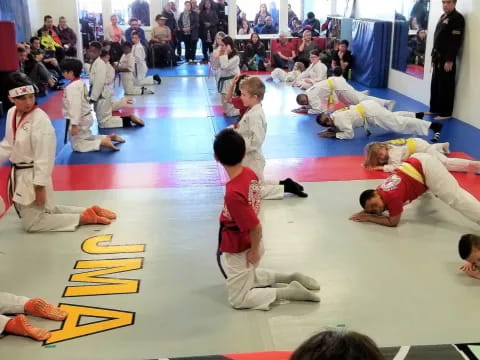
x=78, y=114
x=19, y=325
x=229, y=63
x=141, y=68
x=126, y=68
x=316, y=72
x=102, y=76
x=253, y=127
x=367, y=113
x=335, y=87
x=29, y=144
x=291, y=76
x=389, y=155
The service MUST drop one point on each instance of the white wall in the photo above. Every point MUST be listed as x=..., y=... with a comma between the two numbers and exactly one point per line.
x=468, y=74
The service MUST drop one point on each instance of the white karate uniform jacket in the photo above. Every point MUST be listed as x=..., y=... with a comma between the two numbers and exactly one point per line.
x=403, y=122
x=76, y=108
x=35, y=144
x=315, y=72
x=141, y=67
x=127, y=61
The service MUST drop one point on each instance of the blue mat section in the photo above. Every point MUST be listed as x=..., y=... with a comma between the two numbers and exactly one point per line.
x=400, y=45
x=182, y=70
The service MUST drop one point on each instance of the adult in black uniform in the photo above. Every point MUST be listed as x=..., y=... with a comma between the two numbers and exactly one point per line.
x=446, y=43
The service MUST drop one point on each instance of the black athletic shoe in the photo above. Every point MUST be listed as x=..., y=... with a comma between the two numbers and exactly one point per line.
x=419, y=115
x=293, y=187
x=157, y=78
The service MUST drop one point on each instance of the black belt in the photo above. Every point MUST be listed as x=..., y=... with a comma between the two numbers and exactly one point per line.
x=219, y=253
x=11, y=181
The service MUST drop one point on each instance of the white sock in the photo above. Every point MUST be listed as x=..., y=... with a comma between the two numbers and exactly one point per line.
x=296, y=292
x=307, y=281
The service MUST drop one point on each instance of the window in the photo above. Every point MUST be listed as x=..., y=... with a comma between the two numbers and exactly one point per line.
x=262, y=17
x=91, y=22
x=127, y=9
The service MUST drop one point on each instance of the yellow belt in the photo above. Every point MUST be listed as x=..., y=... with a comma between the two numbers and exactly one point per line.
x=331, y=97
x=409, y=142
x=361, y=110
x=411, y=171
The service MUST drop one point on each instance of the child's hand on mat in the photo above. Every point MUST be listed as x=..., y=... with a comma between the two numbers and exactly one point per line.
x=40, y=195
x=362, y=216
x=470, y=270
x=326, y=134
x=253, y=257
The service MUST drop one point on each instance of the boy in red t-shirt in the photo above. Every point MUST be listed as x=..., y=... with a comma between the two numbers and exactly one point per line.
x=240, y=245
x=419, y=173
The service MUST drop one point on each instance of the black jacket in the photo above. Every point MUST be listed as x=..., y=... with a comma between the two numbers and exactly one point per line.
x=211, y=18
x=194, y=25
x=448, y=37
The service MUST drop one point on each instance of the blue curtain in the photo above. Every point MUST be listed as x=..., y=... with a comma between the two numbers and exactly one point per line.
x=371, y=40
x=17, y=11
x=400, y=45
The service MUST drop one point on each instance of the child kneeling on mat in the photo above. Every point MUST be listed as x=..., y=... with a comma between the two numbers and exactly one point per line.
x=240, y=245
x=29, y=144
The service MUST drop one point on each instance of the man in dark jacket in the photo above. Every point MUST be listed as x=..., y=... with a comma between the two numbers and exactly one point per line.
x=446, y=43
x=68, y=37
x=312, y=24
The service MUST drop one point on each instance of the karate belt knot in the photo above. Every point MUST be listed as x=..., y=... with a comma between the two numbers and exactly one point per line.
x=361, y=110
x=221, y=82
x=11, y=181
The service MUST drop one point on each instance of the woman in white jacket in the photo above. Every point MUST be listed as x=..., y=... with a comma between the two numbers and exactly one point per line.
x=229, y=66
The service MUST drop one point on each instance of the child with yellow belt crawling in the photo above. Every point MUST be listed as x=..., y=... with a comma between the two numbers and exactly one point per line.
x=389, y=155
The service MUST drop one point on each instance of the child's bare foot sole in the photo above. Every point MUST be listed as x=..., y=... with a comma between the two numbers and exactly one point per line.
x=39, y=307
x=136, y=120
x=116, y=138
x=20, y=326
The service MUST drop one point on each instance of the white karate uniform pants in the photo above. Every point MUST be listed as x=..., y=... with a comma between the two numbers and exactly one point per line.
x=437, y=151
x=103, y=110
x=402, y=122
x=60, y=218
x=128, y=82
x=247, y=285
x=10, y=304
x=270, y=189
x=85, y=141
x=442, y=184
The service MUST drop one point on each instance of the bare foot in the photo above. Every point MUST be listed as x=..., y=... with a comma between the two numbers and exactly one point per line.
x=107, y=142
x=39, y=307
x=136, y=120
x=129, y=101
x=19, y=325
x=116, y=138
x=442, y=117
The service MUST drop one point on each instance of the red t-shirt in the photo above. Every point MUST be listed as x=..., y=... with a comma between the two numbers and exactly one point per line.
x=286, y=50
x=238, y=104
x=55, y=36
x=240, y=210
x=400, y=189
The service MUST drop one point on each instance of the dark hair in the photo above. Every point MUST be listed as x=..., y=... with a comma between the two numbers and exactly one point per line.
x=229, y=147
x=334, y=345
x=344, y=42
x=132, y=20
x=96, y=45
x=365, y=196
x=73, y=65
x=315, y=52
x=227, y=40
x=337, y=71
x=18, y=79
x=466, y=244
x=46, y=17
x=311, y=15
x=135, y=33
x=300, y=97
x=21, y=49
x=104, y=53
x=127, y=44
x=319, y=120
x=44, y=28
x=237, y=91
x=158, y=17
x=33, y=38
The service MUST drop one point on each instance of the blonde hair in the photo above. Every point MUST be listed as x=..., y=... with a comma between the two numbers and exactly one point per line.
x=371, y=153
x=254, y=86
x=299, y=66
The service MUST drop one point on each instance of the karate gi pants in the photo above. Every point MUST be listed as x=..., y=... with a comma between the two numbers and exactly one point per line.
x=85, y=141
x=436, y=150
x=247, y=286
x=10, y=304
x=443, y=185
x=59, y=218
x=128, y=83
x=402, y=122
x=270, y=189
x=442, y=90
x=104, y=108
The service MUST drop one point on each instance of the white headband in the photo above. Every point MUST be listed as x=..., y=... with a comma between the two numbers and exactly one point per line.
x=20, y=91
